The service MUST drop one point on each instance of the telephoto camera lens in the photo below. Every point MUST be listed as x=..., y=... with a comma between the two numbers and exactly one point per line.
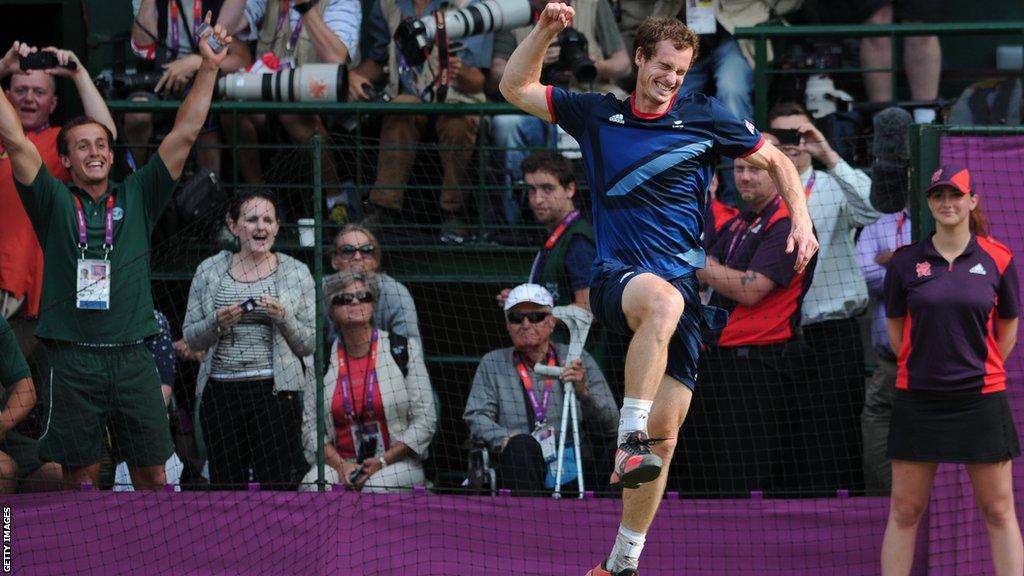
x=415, y=37
x=307, y=83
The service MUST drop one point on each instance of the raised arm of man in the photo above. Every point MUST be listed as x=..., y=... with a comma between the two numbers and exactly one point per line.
x=25, y=158
x=787, y=182
x=520, y=84
x=192, y=114
x=93, y=103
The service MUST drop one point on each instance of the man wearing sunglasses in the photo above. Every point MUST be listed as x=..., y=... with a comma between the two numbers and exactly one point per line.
x=517, y=413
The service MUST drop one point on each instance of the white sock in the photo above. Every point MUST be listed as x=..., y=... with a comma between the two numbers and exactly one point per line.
x=633, y=416
x=627, y=549
x=924, y=115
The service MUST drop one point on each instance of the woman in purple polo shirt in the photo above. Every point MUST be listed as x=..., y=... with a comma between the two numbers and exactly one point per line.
x=952, y=303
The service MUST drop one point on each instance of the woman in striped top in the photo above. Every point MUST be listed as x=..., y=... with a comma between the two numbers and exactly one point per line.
x=252, y=312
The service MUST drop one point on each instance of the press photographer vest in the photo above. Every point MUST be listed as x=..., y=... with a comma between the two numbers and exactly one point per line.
x=393, y=16
x=585, y=22
x=305, y=50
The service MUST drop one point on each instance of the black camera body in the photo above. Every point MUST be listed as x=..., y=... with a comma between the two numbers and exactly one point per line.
x=120, y=86
x=574, y=59
x=42, y=60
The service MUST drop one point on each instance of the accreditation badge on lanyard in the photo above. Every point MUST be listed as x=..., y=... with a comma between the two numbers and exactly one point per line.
x=543, y=433
x=293, y=39
x=93, y=275
x=367, y=436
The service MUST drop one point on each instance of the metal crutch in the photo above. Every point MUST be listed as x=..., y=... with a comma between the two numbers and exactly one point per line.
x=578, y=321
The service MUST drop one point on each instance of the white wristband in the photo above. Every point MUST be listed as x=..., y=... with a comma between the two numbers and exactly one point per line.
x=383, y=463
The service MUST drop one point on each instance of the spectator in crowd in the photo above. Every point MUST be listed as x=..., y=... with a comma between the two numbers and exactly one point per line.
x=20, y=467
x=922, y=55
x=516, y=416
x=952, y=302
x=514, y=134
x=94, y=330
x=838, y=199
x=749, y=376
x=562, y=265
x=412, y=84
x=379, y=408
x=356, y=250
x=33, y=96
x=289, y=34
x=875, y=248
x=253, y=313
x=162, y=350
x=163, y=35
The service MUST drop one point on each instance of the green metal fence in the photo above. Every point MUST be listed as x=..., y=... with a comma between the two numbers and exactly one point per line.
x=761, y=35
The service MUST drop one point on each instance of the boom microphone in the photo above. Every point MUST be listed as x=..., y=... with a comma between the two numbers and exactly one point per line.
x=890, y=180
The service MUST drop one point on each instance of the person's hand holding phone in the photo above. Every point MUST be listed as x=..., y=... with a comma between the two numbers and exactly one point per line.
x=228, y=316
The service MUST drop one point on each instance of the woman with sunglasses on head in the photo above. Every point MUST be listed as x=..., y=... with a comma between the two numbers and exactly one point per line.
x=378, y=404
x=252, y=312
x=356, y=250
x=952, y=304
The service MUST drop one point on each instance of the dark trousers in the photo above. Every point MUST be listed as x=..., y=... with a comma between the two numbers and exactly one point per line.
x=831, y=405
x=739, y=436
x=246, y=425
x=521, y=466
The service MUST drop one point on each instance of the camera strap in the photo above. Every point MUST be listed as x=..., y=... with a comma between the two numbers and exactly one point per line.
x=441, y=38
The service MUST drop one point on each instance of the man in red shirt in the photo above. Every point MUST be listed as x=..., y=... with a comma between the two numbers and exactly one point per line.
x=33, y=96
x=747, y=375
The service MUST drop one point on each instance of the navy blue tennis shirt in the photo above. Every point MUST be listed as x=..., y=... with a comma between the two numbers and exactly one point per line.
x=950, y=309
x=649, y=173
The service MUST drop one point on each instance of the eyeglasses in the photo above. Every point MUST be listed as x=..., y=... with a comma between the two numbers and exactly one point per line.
x=349, y=250
x=533, y=317
x=346, y=298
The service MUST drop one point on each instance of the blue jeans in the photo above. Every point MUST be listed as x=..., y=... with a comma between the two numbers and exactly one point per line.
x=514, y=135
x=733, y=80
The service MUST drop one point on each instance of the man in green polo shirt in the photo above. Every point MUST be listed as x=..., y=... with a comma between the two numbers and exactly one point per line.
x=19, y=459
x=97, y=306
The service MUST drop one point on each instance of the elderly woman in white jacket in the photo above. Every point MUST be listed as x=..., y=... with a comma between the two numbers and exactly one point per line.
x=378, y=404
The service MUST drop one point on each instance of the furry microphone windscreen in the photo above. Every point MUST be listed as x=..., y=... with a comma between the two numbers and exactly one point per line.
x=890, y=181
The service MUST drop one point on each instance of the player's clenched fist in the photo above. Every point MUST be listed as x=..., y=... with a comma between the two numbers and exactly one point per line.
x=556, y=15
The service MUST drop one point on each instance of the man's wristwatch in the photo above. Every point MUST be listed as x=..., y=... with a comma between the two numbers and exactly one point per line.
x=383, y=463
x=305, y=6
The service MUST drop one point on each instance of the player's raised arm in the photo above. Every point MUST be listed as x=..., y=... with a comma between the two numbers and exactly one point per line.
x=520, y=84
x=787, y=180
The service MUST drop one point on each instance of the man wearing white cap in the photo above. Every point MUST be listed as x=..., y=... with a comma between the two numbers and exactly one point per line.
x=518, y=414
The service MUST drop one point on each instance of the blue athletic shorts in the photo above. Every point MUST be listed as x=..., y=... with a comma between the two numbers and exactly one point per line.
x=606, y=287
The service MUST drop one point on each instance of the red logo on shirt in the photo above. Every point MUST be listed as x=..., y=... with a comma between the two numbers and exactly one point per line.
x=924, y=269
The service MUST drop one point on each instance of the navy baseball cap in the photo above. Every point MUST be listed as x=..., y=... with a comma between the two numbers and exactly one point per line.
x=952, y=175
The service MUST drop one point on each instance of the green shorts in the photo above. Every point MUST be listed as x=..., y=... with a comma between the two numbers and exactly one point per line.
x=89, y=390
x=23, y=450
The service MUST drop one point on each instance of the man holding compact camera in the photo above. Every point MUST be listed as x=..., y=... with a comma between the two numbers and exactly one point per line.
x=838, y=198
x=95, y=234
x=32, y=93
x=453, y=72
x=587, y=57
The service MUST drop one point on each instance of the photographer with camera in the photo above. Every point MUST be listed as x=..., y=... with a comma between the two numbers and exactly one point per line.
x=32, y=93
x=410, y=83
x=588, y=57
x=94, y=328
x=164, y=37
x=289, y=34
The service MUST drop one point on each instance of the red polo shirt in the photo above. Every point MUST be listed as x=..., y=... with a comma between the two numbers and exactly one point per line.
x=21, y=258
x=757, y=242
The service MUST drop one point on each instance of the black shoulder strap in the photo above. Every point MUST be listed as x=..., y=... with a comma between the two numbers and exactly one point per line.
x=400, y=352
x=161, y=30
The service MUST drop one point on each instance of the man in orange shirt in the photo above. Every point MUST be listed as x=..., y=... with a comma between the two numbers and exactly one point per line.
x=33, y=96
